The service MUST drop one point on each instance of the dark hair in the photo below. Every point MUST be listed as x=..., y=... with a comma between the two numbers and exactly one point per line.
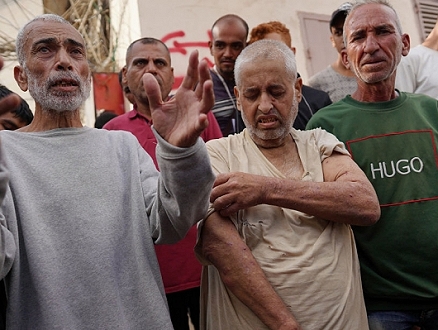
x=23, y=111
x=146, y=41
x=103, y=118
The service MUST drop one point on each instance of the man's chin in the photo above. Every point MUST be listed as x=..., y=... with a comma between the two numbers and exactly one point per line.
x=227, y=68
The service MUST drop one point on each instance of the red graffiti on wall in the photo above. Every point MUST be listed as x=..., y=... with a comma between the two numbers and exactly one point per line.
x=181, y=47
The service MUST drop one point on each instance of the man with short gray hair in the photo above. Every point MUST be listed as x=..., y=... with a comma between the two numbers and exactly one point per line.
x=392, y=136
x=84, y=207
x=277, y=247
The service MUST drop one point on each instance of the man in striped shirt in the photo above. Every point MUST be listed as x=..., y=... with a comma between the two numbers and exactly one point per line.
x=229, y=35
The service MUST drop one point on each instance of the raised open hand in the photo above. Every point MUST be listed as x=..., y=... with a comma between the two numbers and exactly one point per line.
x=182, y=119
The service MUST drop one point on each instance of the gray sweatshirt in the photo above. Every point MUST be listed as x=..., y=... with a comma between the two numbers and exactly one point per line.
x=79, y=220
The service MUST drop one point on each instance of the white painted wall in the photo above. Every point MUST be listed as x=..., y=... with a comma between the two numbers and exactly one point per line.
x=195, y=17
x=191, y=21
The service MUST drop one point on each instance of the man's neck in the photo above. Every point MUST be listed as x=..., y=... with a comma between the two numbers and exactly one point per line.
x=340, y=68
x=45, y=120
x=380, y=92
x=144, y=110
x=226, y=77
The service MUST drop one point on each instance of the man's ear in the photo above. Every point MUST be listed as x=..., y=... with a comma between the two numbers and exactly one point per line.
x=406, y=44
x=20, y=77
x=345, y=58
x=124, y=80
x=237, y=93
x=173, y=77
x=298, y=87
x=210, y=45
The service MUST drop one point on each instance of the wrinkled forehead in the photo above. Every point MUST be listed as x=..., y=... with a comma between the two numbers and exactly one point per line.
x=264, y=72
x=148, y=50
x=370, y=15
x=58, y=32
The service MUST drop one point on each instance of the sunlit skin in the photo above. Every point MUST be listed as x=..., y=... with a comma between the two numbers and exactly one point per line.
x=373, y=50
x=268, y=101
x=148, y=58
x=53, y=46
x=229, y=39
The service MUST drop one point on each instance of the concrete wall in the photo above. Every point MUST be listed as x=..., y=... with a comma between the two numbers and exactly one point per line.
x=184, y=26
x=189, y=22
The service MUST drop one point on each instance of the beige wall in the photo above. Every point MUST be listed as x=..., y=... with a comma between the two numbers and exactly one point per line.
x=186, y=25
x=193, y=19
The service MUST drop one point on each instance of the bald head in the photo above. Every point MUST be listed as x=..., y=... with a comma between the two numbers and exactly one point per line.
x=266, y=50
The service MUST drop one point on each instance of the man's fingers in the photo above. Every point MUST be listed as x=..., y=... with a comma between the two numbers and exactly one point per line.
x=192, y=77
x=153, y=91
x=204, y=76
x=9, y=103
x=202, y=122
x=207, y=100
x=221, y=178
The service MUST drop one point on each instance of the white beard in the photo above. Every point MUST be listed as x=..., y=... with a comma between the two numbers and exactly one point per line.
x=277, y=133
x=58, y=101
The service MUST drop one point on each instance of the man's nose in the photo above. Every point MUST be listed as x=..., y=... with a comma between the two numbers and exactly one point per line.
x=265, y=103
x=371, y=44
x=228, y=51
x=64, y=60
x=151, y=68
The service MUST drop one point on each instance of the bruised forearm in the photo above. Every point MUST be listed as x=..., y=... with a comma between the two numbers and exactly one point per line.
x=342, y=201
x=345, y=195
x=242, y=275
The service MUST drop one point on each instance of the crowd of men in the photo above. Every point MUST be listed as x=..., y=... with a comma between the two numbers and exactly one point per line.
x=329, y=225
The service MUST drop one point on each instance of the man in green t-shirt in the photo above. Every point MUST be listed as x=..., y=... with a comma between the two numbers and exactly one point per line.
x=392, y=136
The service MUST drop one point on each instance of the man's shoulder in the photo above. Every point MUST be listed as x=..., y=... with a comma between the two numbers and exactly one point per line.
x=119, y=122
x=421, y=50
x=214, y=76
x=420, y=99
x=229, y=141
x=321, y=75
x=310, y=92
x=332, y=112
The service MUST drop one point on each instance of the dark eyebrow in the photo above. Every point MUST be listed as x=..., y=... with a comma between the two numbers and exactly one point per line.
x=74, y=43
x=54, y=41
x=356, y=34
x=386, y=26
x=44, y=41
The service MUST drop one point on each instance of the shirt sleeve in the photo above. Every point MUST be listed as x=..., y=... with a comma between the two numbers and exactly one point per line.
x=7, y=243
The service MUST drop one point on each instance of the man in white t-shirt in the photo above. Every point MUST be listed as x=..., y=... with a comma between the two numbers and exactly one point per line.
x=416, y=72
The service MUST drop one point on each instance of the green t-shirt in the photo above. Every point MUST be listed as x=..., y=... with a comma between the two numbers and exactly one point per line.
x=395, y=144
